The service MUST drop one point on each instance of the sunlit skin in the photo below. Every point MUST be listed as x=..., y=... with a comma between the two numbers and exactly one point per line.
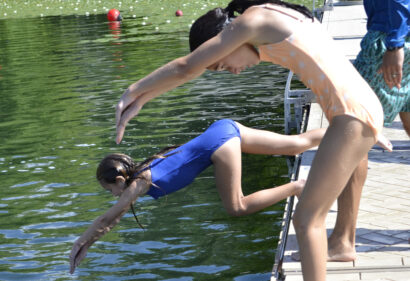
x=344, y=145
x=227, y=162
x=243, y=57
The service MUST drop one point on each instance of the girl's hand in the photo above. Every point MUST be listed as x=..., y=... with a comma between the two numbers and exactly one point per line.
x=392, y=67
x=126, y=109
x=78, y=253
x=299, y=186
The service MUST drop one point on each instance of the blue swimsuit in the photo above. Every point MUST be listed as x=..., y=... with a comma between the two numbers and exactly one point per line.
x=180, y=169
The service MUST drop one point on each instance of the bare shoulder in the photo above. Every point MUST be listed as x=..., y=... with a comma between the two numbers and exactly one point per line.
x=270, y=26
x=255, y=17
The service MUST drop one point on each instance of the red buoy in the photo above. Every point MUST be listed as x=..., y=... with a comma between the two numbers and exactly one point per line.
x=114, y=15
x=179, y=13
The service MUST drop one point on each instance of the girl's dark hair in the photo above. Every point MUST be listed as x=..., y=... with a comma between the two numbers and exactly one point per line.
x=214, y=21
x=118, y=164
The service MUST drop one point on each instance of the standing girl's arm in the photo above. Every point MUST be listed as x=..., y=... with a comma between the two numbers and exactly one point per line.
x=181, y=70
x=104, y=223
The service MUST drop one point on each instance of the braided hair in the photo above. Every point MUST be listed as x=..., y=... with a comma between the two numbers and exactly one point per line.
x=118, y=164
x=214, y=21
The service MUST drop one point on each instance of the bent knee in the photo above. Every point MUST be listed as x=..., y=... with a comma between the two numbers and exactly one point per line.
x=236, y=211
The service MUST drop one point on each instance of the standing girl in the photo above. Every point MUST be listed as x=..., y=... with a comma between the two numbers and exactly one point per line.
x=288, y=35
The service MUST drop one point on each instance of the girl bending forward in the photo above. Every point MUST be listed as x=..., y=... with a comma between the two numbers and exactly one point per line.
x=288, y=35
x=174, y=168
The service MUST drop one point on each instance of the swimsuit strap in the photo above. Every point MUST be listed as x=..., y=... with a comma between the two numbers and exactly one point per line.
x=271, y=6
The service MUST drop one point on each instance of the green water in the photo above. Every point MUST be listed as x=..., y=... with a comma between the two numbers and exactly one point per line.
x=149, y=10
x=60, y=78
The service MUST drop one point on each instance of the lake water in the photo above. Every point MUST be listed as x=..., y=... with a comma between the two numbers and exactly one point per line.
x=60, y=78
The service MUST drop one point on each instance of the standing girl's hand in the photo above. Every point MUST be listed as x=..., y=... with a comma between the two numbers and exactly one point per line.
x=126, y=109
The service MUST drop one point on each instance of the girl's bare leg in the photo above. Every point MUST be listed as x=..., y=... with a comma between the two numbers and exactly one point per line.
x=344, y=145
x=228, y=177
x=341, y=243
x=405, y=119
x=265, y=142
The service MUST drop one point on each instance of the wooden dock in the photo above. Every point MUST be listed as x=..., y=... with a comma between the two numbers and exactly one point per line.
x=383, y=227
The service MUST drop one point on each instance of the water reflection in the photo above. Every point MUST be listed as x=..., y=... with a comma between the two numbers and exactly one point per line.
x=60, y=78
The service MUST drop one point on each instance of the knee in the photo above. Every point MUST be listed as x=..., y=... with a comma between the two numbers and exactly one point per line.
x=300, y=221
x=236, y=211
x=303, y=221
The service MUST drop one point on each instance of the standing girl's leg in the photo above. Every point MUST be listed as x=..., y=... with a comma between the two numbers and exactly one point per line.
x=344, y=145
x=341, y=243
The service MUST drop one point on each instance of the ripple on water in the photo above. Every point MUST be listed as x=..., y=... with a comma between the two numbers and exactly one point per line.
x=60, y=78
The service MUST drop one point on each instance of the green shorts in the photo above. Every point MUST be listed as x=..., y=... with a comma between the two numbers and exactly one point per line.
x=368, y=62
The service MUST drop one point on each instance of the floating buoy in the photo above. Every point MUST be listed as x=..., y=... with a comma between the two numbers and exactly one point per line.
x=114, y=15
x=179, y=13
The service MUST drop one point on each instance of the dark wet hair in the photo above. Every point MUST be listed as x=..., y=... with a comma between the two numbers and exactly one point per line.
x=118, y=164
x=214, y=21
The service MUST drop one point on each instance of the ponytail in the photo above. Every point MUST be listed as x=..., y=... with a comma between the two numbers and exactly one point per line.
x=214, y=21
x=240, y=6
x=208, y=26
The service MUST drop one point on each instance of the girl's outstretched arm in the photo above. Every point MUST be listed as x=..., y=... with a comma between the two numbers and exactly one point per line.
x=103, y=224
x=163, y=79
x=181, y=70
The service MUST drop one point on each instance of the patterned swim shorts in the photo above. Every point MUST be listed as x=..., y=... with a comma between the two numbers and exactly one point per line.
x=368, y=62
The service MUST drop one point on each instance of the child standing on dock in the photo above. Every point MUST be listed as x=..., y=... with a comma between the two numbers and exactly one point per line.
x=221, y=145
x=288, y=35
x=384, y=59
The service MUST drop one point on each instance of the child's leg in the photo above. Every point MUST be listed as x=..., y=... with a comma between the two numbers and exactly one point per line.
x=228, y=172
x=344, y=145
x=341, y=243
x=405, y=119
x=264, y=142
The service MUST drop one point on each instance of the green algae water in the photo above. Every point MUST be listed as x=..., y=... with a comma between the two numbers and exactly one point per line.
x=60, y=78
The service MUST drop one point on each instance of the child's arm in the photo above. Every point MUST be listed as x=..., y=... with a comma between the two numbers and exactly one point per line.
x=103, y=224
x=181, y=70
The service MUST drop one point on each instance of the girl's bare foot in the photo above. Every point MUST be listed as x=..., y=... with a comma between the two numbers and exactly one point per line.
x=335, y=257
